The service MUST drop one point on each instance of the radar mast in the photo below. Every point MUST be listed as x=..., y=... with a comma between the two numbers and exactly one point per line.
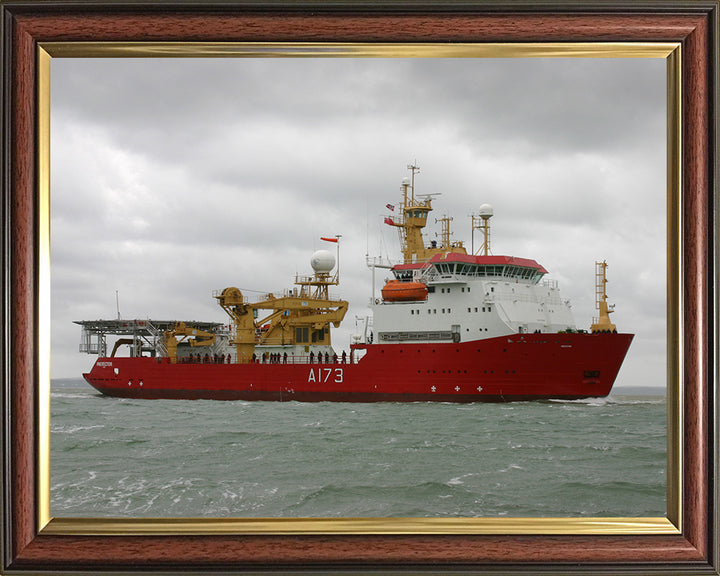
x=414, y=210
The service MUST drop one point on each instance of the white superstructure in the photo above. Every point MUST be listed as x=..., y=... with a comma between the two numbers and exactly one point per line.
x=472, y=298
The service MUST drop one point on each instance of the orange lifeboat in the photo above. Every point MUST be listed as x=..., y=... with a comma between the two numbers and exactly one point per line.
x=396, y=291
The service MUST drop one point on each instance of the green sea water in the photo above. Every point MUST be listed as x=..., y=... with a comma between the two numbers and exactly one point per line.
x=113, y=457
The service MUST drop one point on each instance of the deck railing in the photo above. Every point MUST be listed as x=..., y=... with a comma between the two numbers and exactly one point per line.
x=272, y=359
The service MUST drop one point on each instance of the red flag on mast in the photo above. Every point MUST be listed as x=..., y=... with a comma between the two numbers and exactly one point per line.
x=329, y=239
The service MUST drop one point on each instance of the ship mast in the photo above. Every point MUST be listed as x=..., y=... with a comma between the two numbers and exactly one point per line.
x=602, y=322
x=445, y=234
x=481, y=222
x=414, y=212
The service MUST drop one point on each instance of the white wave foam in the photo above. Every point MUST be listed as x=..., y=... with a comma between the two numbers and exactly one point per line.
x=458, y=480
x=70, y=395
x=70, y=429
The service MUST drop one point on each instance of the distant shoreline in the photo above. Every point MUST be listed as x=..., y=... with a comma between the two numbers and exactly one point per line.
x=639, y=391
x=66, y=382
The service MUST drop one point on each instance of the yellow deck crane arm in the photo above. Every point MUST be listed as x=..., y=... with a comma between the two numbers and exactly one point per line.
x=287, y=311
x=181, y=330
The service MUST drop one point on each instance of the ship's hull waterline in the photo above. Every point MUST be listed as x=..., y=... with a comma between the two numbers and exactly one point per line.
x=502, y=369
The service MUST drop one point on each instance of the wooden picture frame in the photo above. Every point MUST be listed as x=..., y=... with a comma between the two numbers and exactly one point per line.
x=687, y=542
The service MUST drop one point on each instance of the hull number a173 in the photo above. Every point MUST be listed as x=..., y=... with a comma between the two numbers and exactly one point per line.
x=324, y=375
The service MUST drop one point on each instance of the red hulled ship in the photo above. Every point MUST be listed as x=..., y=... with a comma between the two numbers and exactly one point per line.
x=449, y=327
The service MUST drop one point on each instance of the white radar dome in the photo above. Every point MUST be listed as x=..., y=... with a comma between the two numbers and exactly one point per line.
x=485, y=211
x=322, y=261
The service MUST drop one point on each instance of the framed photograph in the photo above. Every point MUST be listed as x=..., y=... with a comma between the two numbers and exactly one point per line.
x=682, y=35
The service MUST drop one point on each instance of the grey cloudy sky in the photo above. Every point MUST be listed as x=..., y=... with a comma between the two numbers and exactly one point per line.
x=172, y=178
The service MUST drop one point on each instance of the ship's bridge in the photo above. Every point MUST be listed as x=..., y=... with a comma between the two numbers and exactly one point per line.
x=455, y=266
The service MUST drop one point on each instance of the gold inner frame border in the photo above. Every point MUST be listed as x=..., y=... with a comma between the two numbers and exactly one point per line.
x=671, y=524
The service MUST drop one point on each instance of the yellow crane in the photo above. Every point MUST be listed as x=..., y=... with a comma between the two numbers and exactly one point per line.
x=199, y=338
x=300, y=316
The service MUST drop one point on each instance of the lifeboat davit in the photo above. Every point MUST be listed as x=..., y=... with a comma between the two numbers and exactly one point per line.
x=396, y=291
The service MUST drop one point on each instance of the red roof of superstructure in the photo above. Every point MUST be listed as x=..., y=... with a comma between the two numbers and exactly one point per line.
x=473, y=259
x=411, y=266
x=492, y=260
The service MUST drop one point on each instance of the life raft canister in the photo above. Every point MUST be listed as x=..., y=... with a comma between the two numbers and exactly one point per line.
x=396, y=291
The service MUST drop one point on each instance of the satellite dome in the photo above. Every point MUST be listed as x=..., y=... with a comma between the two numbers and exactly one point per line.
x=485, y=211
x=322, y=261
x=406, y=181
